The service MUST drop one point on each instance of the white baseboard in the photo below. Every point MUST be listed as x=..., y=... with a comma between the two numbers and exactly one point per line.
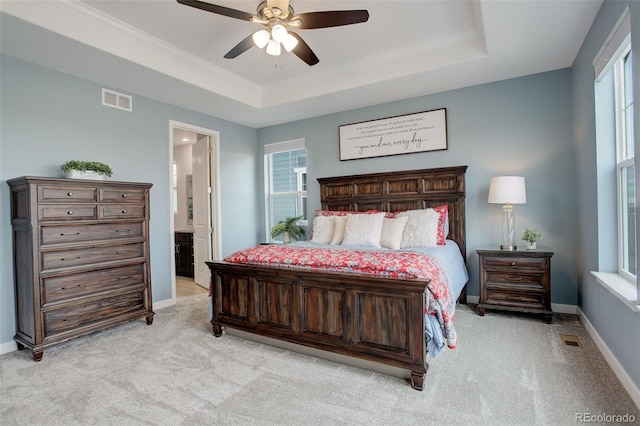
x=164, y=303
x=7, y=347
x=564, y=309
x=473, y=299
x=611, y=359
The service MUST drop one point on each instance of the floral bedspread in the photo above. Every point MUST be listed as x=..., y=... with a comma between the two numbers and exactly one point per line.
x=394, y=264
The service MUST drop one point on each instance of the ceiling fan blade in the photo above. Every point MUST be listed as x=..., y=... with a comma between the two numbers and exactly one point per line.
x=220, y=10
x=313, y=20
x=241, y=47
x=303, y=51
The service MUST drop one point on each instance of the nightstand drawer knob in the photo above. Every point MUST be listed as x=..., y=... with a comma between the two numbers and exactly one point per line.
x=514, y=278
x=513, y=263
x=70, y=194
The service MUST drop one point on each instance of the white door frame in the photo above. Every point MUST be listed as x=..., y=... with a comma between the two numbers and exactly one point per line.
x=215, y=207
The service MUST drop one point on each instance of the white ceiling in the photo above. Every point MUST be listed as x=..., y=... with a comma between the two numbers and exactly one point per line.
x=174, y=53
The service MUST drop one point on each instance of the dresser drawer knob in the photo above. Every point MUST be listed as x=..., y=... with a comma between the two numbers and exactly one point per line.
x=124, y=211
x=124, y=195
x=126, y=277
x=70, y=194
x=70, y=212
x=123, y=230
x=513, y=263
x=71, y=233
x=64, y=259
x=514, y=278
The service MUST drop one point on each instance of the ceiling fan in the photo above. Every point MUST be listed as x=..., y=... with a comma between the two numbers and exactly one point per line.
x=278, y=17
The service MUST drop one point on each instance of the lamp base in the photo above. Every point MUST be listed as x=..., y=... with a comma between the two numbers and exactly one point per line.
x=508, y=247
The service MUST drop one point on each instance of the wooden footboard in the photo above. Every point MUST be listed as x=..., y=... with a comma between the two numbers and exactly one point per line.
x=372, y=318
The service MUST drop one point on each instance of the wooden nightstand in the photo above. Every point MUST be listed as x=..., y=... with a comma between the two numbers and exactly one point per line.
x=516, y=281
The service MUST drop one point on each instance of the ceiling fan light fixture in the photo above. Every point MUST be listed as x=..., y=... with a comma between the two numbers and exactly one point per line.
x=273, y=48
x=279, y=33
x=289, y=43
x=261, y=38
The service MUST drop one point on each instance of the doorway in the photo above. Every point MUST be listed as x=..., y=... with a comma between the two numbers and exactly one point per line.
x=195, y=194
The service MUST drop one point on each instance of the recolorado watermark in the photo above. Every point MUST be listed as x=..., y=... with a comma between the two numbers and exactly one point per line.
x=605, y=418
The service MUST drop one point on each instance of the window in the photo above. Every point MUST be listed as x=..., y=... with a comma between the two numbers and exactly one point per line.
x=626, y=187
x=286, y=182
x=616, y=165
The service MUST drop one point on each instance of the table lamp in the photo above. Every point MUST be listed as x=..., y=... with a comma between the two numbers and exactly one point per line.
x=507, y=190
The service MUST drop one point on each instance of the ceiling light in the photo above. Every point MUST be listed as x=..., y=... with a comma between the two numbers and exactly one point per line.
x=261, y=38
x=185, y=139
x=279, y=33
x=273, y=48
x=289, y=42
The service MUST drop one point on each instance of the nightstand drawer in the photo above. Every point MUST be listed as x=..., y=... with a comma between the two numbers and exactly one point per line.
x=526, y=300
x=519, y=279
x=515, y=262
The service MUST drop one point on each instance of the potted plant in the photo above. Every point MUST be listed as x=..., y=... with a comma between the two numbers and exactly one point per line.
x=531, y=236
x=75, y=169
x=289, y=229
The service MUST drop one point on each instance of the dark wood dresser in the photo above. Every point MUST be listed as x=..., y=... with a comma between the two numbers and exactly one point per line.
x=81, y=257
x=516, y=281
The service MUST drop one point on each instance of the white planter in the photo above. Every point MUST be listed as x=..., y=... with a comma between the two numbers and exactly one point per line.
x=89, y=174
x=531, y=246
x=286, y=238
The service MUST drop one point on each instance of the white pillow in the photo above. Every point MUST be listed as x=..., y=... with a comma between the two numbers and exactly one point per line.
x=363, y=229
x=340, y=223
x=323, y=228
x=421, y=229
x=391, y=236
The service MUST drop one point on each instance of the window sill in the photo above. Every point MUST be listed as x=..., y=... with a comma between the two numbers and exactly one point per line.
x=620, y=287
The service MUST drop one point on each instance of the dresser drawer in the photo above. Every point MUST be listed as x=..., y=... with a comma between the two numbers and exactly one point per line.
x=528, y=300
x=54, y=234
x=514, y=262
x=74, y=286
x=520, y=279
x=67, y=193
x=75, y=317
x=68, y=212
x=122, y=211
x=90, y=255
x=122, y=195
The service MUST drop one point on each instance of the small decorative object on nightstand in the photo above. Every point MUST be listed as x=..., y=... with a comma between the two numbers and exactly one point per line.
x=516, y=281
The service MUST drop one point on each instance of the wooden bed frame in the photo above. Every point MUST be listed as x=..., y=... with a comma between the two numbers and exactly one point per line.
x=368, y=317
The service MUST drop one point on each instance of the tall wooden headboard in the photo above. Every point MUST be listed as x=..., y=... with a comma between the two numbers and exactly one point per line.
x=403, y=190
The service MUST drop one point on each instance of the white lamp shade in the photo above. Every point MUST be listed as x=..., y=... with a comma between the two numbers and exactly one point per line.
x=507, y=189
x=289, y=42
x=279, y=32
x=261, y=38
x=273, y=48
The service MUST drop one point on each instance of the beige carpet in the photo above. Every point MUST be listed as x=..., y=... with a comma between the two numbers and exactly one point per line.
x=507, y=370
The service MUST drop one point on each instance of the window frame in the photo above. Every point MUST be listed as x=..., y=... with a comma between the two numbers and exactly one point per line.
x=300, y=193
x=624, y=161
x=612, y=158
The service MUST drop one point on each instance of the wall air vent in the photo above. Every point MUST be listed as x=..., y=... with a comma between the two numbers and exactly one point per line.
x=116, y=100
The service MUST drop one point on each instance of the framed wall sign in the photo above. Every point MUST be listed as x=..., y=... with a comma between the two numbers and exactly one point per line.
x=403, y=134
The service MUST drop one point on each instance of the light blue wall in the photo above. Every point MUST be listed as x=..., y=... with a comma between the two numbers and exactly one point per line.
x=616, y=324
x=519, y=127
x=49, y=117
